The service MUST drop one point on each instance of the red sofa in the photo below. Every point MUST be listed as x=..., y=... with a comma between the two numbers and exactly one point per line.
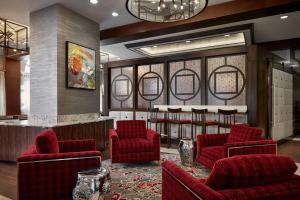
x=241, y=140
x=248, y=177
x=48, y=169
x=132, y=142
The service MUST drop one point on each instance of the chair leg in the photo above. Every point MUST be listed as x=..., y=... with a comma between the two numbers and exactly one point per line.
x=219, y=129
x=192, y=132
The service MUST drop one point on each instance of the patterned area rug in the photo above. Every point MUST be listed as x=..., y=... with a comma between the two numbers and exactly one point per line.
x=143, y=181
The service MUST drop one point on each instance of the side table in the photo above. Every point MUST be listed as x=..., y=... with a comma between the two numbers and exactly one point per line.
x=94, y=184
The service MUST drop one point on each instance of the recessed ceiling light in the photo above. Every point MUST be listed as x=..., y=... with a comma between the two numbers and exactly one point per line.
x=119, y=58
x=227, y=35
x=15, y=50
x=115, y=14
x=284, y=17
x=154, y=46
x=93, y=1
x=188, y=41
x=153, y=2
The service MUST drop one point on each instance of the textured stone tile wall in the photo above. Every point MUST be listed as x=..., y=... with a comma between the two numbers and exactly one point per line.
x=43, y=56
x=78, y=29
x=51, y=27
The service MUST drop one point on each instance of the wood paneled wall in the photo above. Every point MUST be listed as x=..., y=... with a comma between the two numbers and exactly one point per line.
x=257, y=78
x=12, y=84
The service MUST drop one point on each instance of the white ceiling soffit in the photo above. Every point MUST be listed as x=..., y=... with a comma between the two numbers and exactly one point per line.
x=19, y=10
x=210, y=42
x=265, y=30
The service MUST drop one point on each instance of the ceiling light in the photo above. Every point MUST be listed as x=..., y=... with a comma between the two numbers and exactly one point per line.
x=154, y=46
x=227, y=35
x=146, y=9
x=15, y=50
x=93, y=1
x=119, y=58
x=284, y=17
x=115, y=14
x=188, y=41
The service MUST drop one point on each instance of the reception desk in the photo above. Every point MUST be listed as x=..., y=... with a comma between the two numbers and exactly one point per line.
x=16, y=136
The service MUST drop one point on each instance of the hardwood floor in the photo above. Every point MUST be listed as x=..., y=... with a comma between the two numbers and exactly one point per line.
x=8, y=171
x=8, y=180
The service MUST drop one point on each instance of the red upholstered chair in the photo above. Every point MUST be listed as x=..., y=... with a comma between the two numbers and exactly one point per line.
x=240, y=141
x=48, y=169
x=247, y=177
x=132, y=142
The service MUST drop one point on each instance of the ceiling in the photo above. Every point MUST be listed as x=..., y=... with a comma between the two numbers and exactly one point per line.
x=265, y=30
x=18, y=10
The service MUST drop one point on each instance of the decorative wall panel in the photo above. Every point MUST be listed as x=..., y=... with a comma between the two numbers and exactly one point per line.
x=226, y=80
x=282, y=118
x=185, y=82
x=150, y=85
x=122, y=87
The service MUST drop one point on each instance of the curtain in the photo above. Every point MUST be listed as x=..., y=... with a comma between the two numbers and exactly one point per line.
x=2, y=84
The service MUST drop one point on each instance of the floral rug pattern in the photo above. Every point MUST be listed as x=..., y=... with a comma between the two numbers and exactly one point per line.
x=143, y=181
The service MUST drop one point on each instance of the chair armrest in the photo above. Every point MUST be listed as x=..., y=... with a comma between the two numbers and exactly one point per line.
x=77, y=145
x=152, y=136
x=113, y=136
x=113, y=144
x=58, y=156
x=212, y=139
x=40, y=176
x=177, y=181
x=250, y=147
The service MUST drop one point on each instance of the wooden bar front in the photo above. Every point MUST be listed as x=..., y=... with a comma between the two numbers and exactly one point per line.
x=14, y=139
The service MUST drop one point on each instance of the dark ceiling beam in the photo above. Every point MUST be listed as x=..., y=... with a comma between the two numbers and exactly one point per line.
x=281, y=44
x=220, y=14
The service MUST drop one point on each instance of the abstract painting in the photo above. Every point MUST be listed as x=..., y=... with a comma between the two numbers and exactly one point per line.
x=81, y=67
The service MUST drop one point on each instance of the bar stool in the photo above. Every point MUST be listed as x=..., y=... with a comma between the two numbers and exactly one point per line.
x=228, y=118
x=154, y=119
x=199, y=119
x=174, y=118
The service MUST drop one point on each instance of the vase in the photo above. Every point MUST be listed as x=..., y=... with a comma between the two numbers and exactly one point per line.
x=186, y=152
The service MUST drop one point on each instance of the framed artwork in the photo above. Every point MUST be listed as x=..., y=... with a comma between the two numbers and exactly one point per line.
x=81, y=67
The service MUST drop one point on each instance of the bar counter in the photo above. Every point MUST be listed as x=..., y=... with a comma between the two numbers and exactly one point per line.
x=17, y=135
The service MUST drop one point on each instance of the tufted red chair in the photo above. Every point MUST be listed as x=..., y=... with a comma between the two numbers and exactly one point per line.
x=48, y=169
x=133, y=142
x=246, y=177
x=241, y=140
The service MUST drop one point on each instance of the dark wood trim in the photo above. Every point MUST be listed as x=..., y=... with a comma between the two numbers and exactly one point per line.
x=230, y=12
x=281, y=44
x=203, y=55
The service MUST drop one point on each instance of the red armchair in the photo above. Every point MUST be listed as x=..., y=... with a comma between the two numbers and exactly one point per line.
x=132, y=142
x=48, y=169
x=240, y=141
x=248, y=177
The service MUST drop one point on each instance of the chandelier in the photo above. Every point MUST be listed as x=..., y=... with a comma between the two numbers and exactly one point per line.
x=165, y=10
x=13, y=37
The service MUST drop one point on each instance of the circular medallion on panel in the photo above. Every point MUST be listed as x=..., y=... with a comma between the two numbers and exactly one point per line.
x=226, y=82
x=185, y=84
x=121, y=87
